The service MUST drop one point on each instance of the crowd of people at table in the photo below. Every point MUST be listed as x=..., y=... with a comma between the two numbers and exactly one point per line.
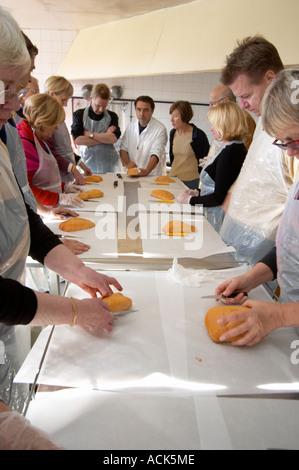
x=246, y=180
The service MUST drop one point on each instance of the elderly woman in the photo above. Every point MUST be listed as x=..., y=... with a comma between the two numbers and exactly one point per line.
x=43, y=114
x=62, y=90
x=187, y=145
x=280, y=117
x=221, y=171
x=21, y=233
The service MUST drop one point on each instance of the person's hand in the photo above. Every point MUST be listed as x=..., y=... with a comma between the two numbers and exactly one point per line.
x=238, y=284
x=131, y=165
x=73, y=188
x=79, y=179
x=258, y=322
x=185, y=196
x=16, y=433
x=95, y=283
x=94, y=315
x=70, y=200
x=110, y=130
x=87, y=171
x=54, y=213
x=75, y=246
x=143, y=172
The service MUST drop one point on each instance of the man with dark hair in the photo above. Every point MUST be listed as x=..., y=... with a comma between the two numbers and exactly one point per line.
x=259, y=195
x=95, y=130
x=144, y=141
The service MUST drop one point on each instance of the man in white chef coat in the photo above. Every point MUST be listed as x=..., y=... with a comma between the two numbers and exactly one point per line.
x=144, y=142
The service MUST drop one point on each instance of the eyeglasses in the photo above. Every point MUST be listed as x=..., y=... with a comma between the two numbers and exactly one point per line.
x=294, y=145
x=8, y=95
x=213, y=103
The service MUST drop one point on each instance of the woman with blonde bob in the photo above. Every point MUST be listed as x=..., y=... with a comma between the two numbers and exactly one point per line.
x=60, y=143
x=280, y=118
x=43, y=114
x=221, y=171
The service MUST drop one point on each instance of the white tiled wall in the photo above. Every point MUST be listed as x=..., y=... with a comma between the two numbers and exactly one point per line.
x=194, y=87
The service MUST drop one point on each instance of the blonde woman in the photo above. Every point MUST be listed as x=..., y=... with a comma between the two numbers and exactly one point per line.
x=60, y=143
x=221, y=171
x=43, y=114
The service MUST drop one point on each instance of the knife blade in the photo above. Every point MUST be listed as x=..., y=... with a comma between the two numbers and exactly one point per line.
x=221, y=297
x=162, y=201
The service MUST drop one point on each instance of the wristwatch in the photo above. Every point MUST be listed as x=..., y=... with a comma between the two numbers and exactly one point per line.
x=91, y=135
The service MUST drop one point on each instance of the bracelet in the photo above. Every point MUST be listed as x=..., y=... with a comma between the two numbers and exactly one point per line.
x=73, y=167
x=74, y=312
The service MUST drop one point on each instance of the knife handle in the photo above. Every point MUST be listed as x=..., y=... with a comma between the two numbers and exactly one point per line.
x=234, y=294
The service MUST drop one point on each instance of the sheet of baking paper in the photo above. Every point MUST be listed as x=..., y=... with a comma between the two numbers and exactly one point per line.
x=147, y=203
x=162, y=345
x=93, y=420
x=113, y=199
x=102, y=238
x=204, y=242
x=148, y=182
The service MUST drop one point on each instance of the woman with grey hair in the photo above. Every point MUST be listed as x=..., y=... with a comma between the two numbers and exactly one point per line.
x=21, y=233
x=280, y=117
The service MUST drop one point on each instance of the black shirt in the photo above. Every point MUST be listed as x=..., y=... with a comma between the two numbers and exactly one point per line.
x=77, y=127
x=270, y=260
x=224, y=171
x=18, y=303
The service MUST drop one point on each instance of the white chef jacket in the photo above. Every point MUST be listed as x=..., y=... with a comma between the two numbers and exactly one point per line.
x=151, y=141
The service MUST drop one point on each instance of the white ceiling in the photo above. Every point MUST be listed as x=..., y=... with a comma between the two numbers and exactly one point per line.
x=78, y=14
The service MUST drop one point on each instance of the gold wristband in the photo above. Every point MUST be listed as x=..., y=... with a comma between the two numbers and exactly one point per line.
x=74, y=312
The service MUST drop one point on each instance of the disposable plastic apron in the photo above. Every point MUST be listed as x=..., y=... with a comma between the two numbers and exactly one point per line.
x=47, y=176
x=287, y=243
x=18, y=162
x=101, y=158
x=257, y=201
x=214, y=215
x=64, y=148
x=14, y=248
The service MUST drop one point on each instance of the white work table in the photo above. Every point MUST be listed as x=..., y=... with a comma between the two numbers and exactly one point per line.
x=160, y=361
x=157, y=381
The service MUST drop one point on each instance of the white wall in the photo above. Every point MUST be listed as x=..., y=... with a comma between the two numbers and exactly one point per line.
x=193, y=87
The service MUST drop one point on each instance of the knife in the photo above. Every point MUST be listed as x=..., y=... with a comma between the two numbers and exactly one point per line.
x=221, y=297
x=165, y=201
x=67, y=236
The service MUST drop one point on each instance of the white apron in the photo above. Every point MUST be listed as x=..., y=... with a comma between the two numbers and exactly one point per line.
x=101, y=158
x=257, y=201
x=287, y=243
x=14, y=248
x=47, y=176
x=18, y=162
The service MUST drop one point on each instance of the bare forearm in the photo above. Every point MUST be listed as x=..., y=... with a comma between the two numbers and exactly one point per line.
x=63, y=262
x=52, y=310
x=258, y=275
x=124, y=156
x=290, y=314
x=99, y=138
x=152, y=163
